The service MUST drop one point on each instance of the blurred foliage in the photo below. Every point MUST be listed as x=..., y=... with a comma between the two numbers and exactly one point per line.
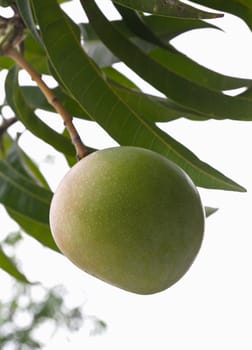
x=30, y=307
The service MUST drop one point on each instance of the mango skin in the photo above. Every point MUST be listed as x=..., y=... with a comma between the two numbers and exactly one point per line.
x=130, y=217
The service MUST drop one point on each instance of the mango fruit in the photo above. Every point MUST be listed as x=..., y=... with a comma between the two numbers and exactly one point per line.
x=130, y=217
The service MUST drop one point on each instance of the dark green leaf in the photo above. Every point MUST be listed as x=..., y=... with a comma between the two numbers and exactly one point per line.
x=26, y=115
x=19, y=160
x=21, y=195
x=163, y=27
x=240, y=8
x=25, y=12
x=136, y=24
x=36, y=100
x=170, y=8
x=38, y=230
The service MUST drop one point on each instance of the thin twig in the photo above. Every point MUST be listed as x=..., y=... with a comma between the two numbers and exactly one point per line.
x=81, y=150
x=6, y=124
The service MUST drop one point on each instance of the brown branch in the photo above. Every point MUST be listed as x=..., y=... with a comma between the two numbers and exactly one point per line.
x=6, y=124
x=81, y=150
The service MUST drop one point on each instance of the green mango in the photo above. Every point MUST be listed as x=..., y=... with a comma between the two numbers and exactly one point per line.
x=130, y=217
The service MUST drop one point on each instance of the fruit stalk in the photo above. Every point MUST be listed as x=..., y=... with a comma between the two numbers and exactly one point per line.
x=81, y=150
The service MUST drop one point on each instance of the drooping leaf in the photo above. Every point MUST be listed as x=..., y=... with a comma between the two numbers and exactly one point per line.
x=37, y=230
x=170, y=8
x=26, y=115
x=184, y=92
x=20, y=161
x=163, y=27
x=187, y=68
x=84, y=81
x=36, y=100
x=9, y=266
x=134, y=20
x=25, y=11
x=240, y=8
x=22, y=195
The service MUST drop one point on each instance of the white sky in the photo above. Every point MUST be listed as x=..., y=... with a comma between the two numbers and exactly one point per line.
x=210, y=307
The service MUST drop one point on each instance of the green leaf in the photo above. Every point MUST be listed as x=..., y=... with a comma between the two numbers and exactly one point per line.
x=8, y=265
x=19, y=160
x=22, y=195
x=25, y=11
x=210, y=211
x=152, y=108
x=35, y=55
x=85, y=83
x=26, y=115
x=182, y=91
x=163, y=27
x=136, y=24
x=36, y=100
x=37, y=230
x=187, y=68
x=170, y=8
x=240, y=8
x=5, y=62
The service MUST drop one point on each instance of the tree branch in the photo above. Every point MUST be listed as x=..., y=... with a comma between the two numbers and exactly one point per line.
x=6, y=124
x=81, y=150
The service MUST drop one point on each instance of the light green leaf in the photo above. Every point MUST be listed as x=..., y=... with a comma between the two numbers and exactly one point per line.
x=210, y=211
x=187, y=68
x=8, y=265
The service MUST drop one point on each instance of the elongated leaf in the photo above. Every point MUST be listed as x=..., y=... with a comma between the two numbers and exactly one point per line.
x=187, y=68
x=136, y=24
x=7, y=264
x=240, y=8
x=36, y=100
x=86, y=84
x=23, y=196
x=25, y=11
x=170, y=8
x=177, y=88
x=20, y=161
x=35, y=55
x=163, y=27
x=26, y=115
x=37, y=230
x=149, y=107
x=152, y=108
